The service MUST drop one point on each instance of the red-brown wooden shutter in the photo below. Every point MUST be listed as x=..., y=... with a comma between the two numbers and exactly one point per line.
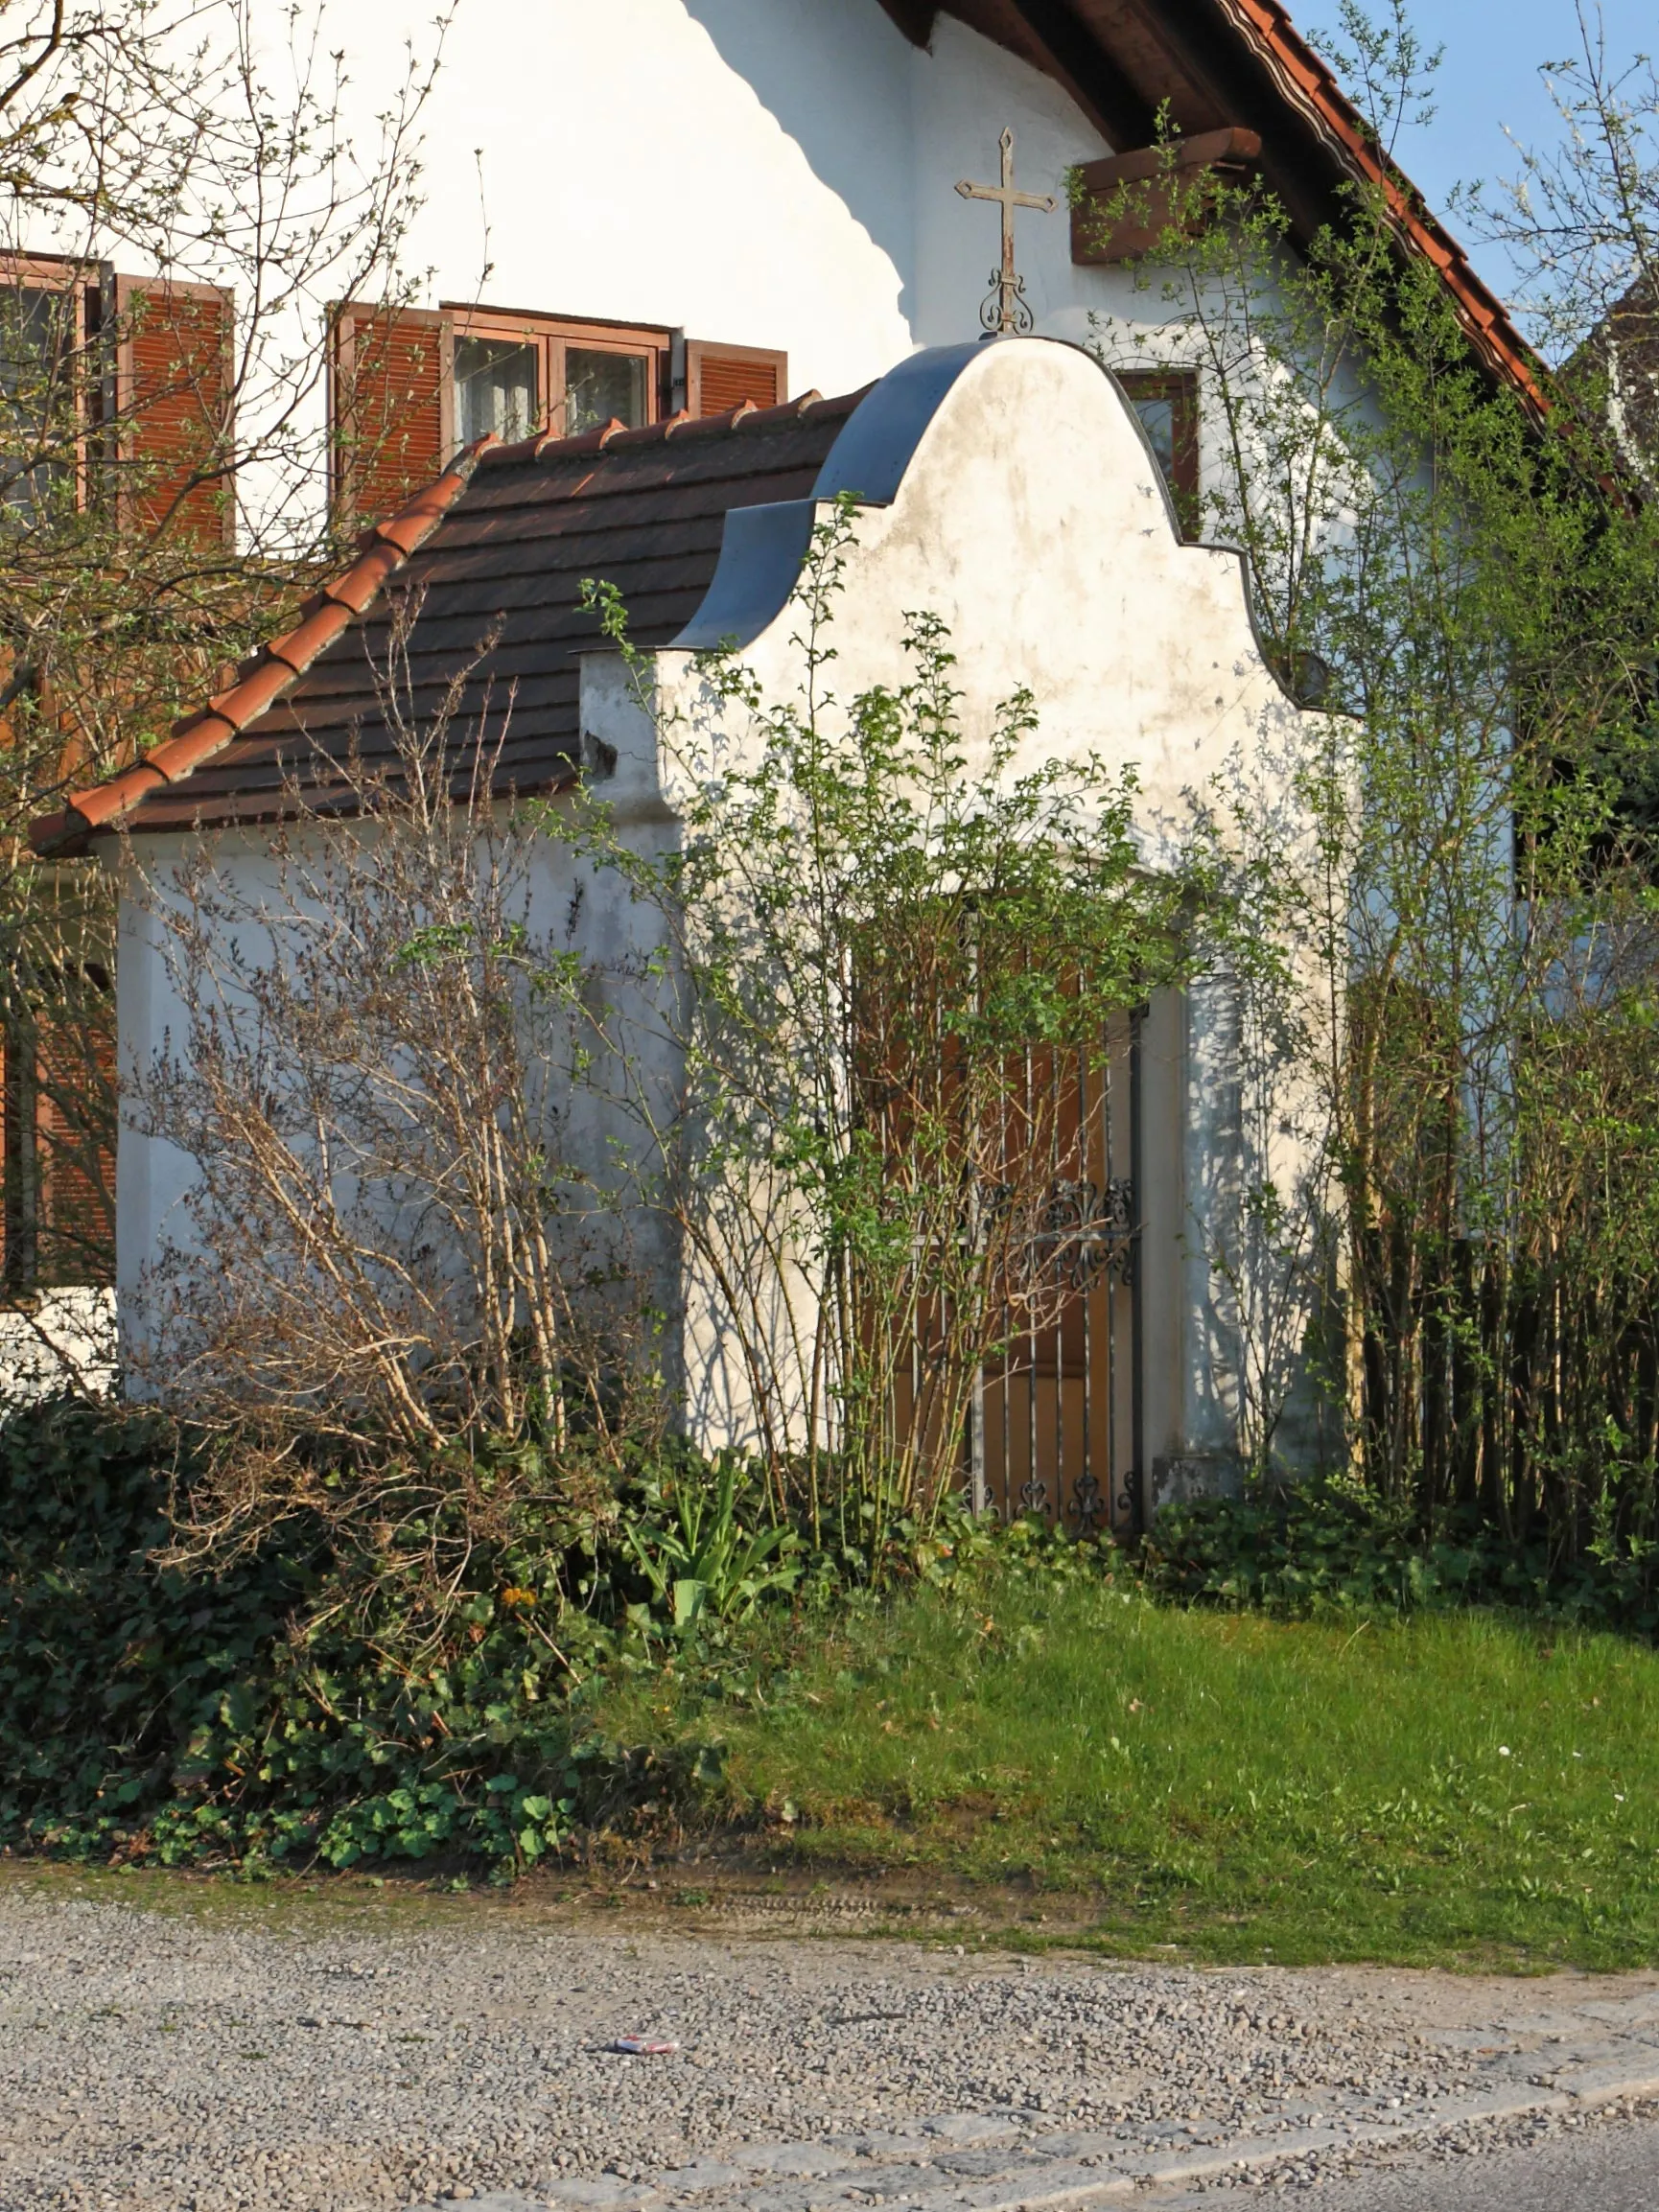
x=76, y=1136
x=391, y=402
x=719, y=378
x=176, y=371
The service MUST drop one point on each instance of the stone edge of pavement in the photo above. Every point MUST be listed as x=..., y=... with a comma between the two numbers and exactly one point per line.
x=1598, y=2085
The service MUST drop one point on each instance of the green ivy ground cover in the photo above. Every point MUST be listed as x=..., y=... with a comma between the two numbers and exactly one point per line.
x=147, y=1714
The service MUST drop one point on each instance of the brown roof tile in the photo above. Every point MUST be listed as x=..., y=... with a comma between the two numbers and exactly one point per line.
x=506, y=537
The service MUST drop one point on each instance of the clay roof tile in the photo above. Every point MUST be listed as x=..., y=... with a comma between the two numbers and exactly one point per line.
x=505, y=561
x=323, y=621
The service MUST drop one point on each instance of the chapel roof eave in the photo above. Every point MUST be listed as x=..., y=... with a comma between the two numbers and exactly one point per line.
x=261, y=679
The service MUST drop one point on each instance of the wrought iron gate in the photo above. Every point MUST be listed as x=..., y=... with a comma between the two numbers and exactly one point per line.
x=1054, y=1425
x=1055, y=1428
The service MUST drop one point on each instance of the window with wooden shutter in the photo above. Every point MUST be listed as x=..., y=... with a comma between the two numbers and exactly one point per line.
x=57, y=1136
x=719, y=378
x=392, y=405
x=174, y=398
x=411, y=387
x=76, y=1132
x=53, y=391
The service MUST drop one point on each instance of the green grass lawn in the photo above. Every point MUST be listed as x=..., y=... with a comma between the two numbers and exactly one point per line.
x=1453, y=1787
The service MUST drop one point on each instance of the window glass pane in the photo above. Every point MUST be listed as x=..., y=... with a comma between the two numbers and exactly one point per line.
x=1157, y=412
x=601, y=387
x=496, y=389
x=36, y=422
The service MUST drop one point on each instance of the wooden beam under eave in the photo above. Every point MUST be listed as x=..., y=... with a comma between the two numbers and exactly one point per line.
x=1051, y=37
x=1132, y=36
x=1232, y=81
x=915, y=18
x=1163, y=175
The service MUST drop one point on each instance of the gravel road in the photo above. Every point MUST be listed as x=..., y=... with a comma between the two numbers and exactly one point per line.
x=323, y=2060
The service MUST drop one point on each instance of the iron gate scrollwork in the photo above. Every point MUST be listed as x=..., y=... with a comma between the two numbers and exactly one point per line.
x=1090, y=1231
x=1056, y=1421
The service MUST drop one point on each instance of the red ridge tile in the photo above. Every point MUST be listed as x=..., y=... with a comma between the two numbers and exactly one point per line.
x=108, y=801
x=320, y=627
x=177, y=758
x=359, y=586
x=774, y=418
x=239, y=706
x=199, y=737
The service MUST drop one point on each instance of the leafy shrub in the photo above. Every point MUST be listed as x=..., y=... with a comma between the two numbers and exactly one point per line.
x=699, y=1555
x=109, y=1666
x=1330, y=1546
x=308, y=1704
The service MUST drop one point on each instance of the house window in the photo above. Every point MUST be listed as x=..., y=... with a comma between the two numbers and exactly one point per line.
x=115, y=387
x=498, y=388
x=602, y=387
x=1166, y=402
x=44, y=321
x=59, y=1101
x=518, y=374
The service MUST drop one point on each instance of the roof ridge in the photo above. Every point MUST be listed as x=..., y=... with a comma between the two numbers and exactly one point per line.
x=267, y=674
x=544, y=446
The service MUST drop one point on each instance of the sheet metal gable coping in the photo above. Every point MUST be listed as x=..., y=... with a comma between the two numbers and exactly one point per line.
x=764, y=548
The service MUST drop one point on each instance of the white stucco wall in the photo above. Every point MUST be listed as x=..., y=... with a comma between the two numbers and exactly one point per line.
x=770, y=172
x=57, y=1340
x=775, y=172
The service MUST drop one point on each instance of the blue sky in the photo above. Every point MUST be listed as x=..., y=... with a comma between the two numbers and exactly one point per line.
x=1489, y=78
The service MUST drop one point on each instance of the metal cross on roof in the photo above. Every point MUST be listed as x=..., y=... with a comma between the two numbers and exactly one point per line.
x=1005, y=310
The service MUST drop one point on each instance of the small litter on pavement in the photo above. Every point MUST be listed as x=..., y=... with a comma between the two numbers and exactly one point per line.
x=642, y=2047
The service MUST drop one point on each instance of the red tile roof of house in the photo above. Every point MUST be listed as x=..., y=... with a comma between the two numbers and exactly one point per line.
x=1311, y=87
x=506, y=536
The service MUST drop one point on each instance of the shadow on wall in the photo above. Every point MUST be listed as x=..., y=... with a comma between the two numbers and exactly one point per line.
x=859, y=146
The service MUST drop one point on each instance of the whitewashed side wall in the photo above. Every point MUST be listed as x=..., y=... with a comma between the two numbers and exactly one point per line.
x=770, y=172
x=55, y=1341
x=774, y=172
